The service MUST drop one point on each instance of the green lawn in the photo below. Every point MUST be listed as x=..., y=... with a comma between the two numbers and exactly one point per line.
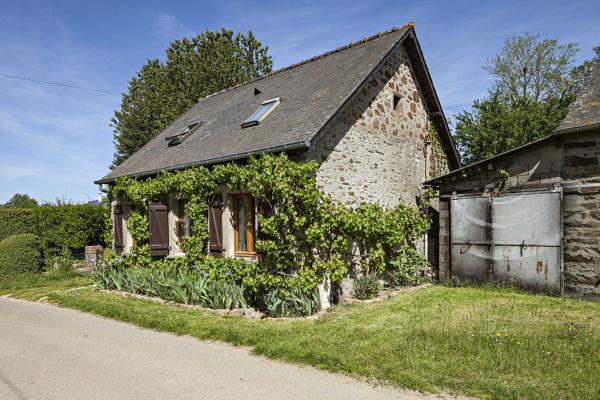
x=492, y=343
x=36, y=286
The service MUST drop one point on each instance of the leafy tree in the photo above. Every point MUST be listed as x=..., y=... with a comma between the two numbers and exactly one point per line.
x=194, y=68
x=21, y=201
x=536, y=81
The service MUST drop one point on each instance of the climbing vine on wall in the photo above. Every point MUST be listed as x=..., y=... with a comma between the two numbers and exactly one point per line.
x=439, y=160
x=304, y=237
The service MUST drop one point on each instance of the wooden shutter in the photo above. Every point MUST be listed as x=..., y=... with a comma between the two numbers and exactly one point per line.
x=215, y=225
x=158, y=215
x=118, y=228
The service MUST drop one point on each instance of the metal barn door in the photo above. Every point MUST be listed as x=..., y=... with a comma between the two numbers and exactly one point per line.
x=471, y=241
x=523, y=235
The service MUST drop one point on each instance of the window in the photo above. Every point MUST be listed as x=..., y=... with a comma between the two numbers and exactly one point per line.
x=177, y=139
x=259, y=115
x=396, y=101
x=182, y=222
x=243, y=225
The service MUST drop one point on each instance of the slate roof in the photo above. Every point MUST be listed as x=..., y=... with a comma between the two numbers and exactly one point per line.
x=586, y=109
x=311, y=93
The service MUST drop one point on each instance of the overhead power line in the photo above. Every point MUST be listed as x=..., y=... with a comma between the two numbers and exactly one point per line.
x=56, y=83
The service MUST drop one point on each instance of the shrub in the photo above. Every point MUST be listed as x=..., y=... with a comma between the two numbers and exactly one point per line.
x=291, y=302
x=62, y=261
x=408, y=268
x=73, y=226
x=14, y=221
x=70, y=226
x=366, y=286
x=20, y=254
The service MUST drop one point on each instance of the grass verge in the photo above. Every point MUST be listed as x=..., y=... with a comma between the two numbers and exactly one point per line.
x=491, y=343
x=36, y=286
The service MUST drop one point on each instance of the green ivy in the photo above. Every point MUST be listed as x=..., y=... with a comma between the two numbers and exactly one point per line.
x=305, y=239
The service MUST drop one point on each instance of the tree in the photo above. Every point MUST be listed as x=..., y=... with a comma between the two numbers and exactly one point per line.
x=21, y=201
x=536, y=81
x=194, y=68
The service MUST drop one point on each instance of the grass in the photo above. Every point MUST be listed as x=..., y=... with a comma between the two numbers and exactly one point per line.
x=491, y=343
x=35, y=286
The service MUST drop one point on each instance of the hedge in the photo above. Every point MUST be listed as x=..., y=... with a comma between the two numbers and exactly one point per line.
x=70, y=225
x=20, y=254
x=58, y=227
x=15, y=221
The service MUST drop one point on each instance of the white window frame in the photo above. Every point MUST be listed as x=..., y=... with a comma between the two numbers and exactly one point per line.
x=253, y=122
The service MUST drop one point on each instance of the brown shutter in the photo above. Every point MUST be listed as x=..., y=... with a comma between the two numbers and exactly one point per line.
x=158, y=215
x=118, y=228
x=215, y=225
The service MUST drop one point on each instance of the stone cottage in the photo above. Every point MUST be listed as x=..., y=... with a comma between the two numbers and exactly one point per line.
x=530, y=216
x=366, y=112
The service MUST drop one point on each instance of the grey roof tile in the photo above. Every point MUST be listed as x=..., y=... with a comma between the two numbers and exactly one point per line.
x=585, y=110
x=311, y=92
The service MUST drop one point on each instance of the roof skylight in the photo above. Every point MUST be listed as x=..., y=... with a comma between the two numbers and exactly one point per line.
x=263, y=111
x=177, y=139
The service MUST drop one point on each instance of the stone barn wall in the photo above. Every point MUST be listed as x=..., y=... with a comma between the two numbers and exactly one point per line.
x=581, y=232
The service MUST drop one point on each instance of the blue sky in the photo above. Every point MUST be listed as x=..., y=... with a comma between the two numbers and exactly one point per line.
x=55, y=141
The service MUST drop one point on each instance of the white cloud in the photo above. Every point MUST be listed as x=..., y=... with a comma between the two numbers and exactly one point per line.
x=170, y=26
x=10, y=173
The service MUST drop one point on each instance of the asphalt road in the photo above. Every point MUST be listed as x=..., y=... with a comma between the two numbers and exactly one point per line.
x=52, y=353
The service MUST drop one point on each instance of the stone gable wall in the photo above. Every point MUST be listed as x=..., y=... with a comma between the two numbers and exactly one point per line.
x=373, y=152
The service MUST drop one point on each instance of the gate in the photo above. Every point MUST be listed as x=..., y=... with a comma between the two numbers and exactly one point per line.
x=513, y=238
x=433, y=239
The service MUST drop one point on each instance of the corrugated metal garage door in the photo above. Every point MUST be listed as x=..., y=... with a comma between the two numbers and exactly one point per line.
x=511, y=238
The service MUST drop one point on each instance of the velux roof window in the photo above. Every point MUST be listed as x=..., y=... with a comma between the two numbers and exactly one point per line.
x=177, y=139
x=266, y=108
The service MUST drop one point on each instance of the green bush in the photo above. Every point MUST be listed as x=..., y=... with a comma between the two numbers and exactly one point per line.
x=73, y=226
x=366, y=286
x=59, y=227
x=292, y=302
x=408, y=268
x=14, y=221
x=63, y=261
x=20, y=254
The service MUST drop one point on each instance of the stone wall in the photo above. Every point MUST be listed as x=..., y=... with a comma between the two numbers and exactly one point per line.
x=581, y=234
x=581, y=213
x=445, y=244
x=377, y=149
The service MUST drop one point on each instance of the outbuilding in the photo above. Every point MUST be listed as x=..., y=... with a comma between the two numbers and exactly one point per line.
x=530, y=216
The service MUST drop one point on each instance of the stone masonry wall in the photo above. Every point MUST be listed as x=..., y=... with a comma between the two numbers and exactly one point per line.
x=375, y=149
x=581, y=234
x=581, y=214
x=445, y=245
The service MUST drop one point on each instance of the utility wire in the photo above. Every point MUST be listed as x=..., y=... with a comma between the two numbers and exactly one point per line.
x=56, y=84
